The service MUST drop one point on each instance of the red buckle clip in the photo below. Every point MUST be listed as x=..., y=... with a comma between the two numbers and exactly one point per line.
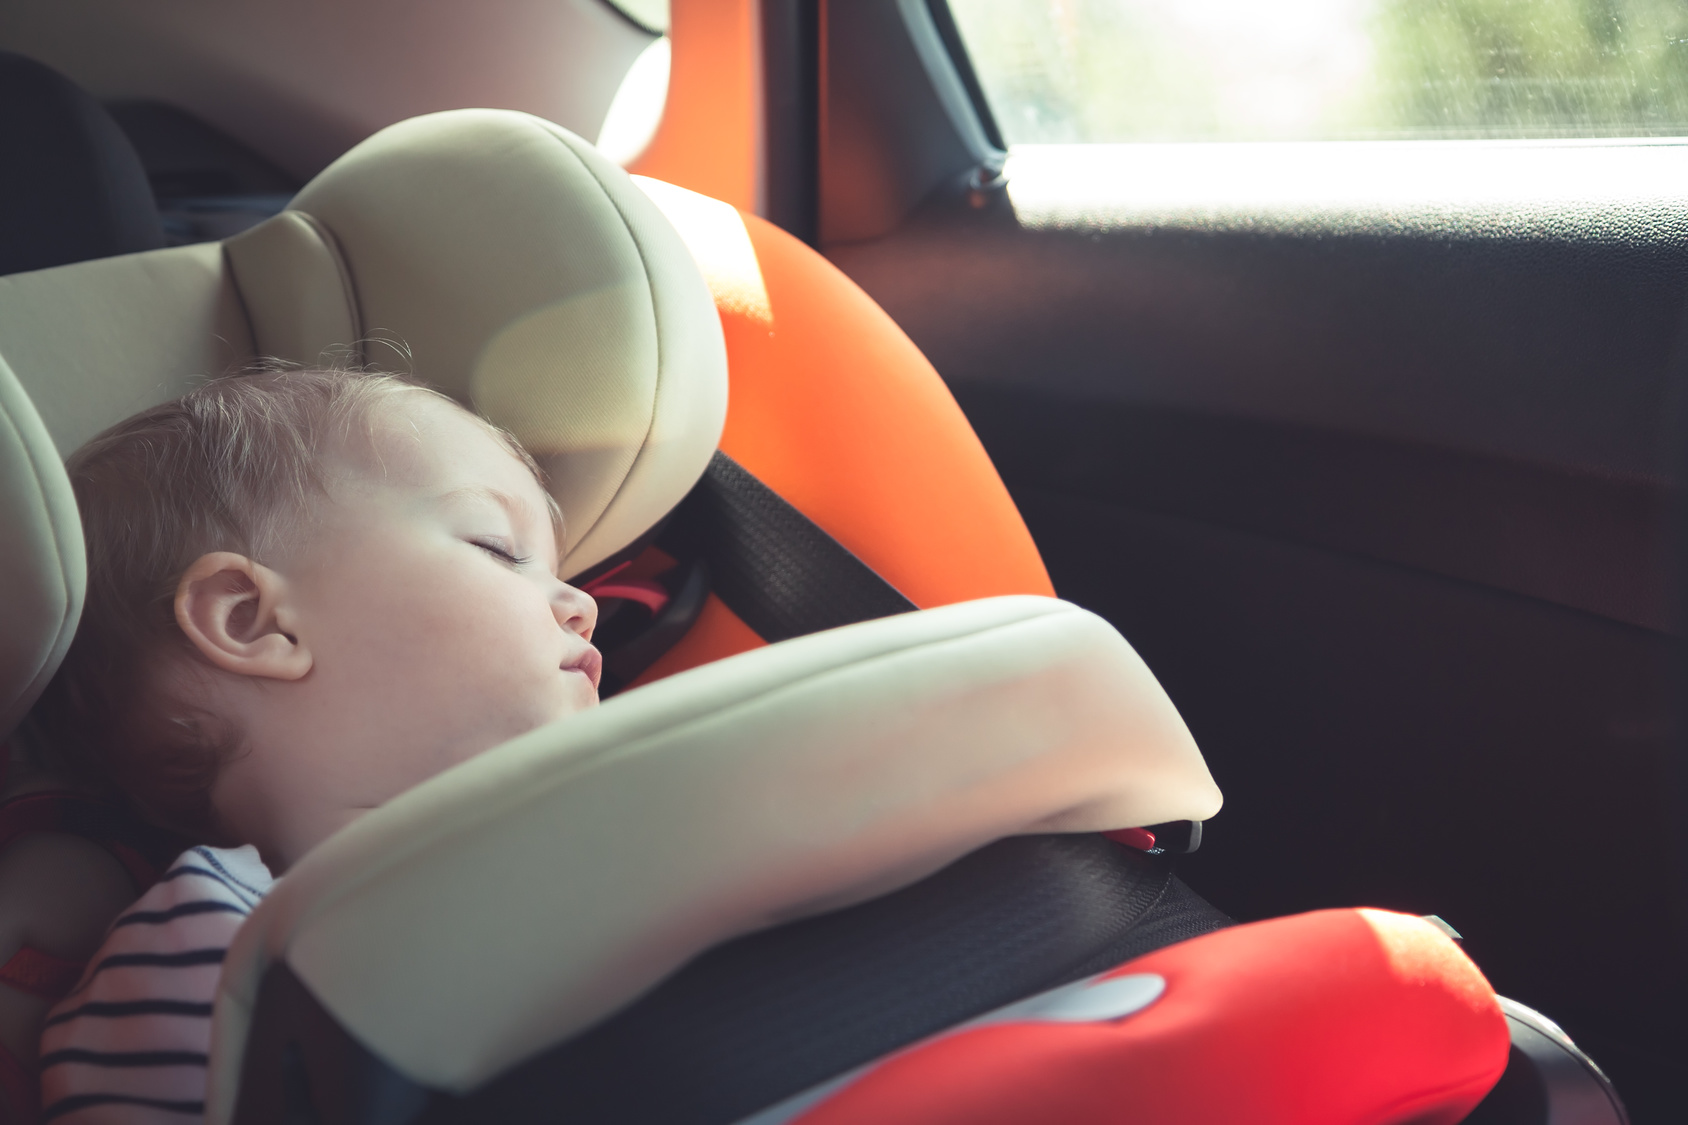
x=649, y=594
x=1140, y=838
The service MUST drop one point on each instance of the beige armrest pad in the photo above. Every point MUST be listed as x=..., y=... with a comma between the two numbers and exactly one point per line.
x=518, y=898
x=42, y=571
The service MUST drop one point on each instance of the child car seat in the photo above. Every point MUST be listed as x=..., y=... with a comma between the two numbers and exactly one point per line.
x=494, y=244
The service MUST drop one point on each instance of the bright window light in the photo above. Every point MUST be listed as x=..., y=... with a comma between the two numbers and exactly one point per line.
x=636, y=110
x=1060, y=71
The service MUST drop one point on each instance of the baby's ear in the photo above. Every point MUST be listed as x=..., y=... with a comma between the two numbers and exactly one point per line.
x=230, y=608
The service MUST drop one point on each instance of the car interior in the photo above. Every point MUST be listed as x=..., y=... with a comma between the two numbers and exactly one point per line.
x=1366, y=447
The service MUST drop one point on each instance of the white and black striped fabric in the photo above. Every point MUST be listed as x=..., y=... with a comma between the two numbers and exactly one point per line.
x=129, y=1046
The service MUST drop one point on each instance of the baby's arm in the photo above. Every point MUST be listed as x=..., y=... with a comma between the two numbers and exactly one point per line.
x=58, y=893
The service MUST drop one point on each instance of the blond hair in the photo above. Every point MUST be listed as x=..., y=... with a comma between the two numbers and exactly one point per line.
x=230, y=466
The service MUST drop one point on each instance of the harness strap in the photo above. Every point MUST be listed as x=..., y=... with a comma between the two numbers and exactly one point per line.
x=774, y=566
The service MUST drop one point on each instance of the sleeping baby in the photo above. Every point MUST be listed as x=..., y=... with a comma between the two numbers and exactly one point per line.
x=307, y=592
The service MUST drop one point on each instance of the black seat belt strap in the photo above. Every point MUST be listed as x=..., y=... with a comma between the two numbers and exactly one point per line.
x=774, y=566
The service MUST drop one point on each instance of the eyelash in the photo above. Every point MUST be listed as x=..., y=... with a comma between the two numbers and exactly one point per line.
x=496, y=551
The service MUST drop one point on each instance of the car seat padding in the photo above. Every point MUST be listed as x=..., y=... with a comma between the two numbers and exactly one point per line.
x=523, y=273
x=95, y=342
x=502, y=259
x=297, y=290
x=42, y=567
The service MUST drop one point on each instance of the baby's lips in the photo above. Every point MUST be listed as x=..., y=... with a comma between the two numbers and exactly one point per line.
x=590, y=663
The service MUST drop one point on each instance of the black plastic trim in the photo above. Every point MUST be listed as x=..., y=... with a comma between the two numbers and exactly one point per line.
x=1549, y=1080
x=791, y=115
x=888, y=139
x=950, y=33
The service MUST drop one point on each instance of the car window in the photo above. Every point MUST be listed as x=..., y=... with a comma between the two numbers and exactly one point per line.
x=1059, y=71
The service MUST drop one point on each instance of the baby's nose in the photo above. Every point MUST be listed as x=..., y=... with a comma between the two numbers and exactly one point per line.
x=575, y=610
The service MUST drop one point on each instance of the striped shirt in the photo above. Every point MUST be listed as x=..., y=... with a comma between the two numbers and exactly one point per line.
x=130, y=1044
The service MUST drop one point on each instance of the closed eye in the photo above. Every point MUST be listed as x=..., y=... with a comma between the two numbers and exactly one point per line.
x=497, y=550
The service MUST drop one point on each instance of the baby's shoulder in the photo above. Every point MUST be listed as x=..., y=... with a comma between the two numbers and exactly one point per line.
x=233, y=874
x=198, y=903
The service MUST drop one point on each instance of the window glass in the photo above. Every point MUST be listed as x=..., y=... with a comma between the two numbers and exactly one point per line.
x=1186, y=70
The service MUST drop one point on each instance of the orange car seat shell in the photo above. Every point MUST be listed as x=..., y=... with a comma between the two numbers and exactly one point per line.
x=709, y=135
x=832, y=406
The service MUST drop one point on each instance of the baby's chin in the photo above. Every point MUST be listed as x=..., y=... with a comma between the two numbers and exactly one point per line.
x=582, y=695
x=561, y=704
x=578, y=695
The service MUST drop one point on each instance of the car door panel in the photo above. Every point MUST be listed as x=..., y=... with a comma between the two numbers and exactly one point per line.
x=1376, y=483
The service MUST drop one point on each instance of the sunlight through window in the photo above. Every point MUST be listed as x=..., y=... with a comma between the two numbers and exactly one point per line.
x=1185, y=70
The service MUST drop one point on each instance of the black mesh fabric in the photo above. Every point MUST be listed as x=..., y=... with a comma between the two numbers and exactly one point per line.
x=73, y=188
x=764, y=1017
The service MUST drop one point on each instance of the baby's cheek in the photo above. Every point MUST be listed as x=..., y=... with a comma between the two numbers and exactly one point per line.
x=457, y=647
x=493, y=645
x=430, y=607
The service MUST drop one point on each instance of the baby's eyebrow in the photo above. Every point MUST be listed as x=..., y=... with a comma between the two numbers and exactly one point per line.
x=520, y=511
x=518, y=508
x=515, y=505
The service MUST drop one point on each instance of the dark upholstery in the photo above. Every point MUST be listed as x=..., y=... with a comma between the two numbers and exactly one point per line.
x=73, y=187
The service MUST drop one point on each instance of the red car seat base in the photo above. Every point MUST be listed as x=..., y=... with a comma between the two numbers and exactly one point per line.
x=1339, y=1017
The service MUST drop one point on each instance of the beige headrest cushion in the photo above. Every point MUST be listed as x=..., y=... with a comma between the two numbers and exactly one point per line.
x=524, y=274
x=521, y=271
x=518, y=898
x=41, y=555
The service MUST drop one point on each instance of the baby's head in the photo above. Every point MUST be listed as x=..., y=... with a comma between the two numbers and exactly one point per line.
x=307, y=592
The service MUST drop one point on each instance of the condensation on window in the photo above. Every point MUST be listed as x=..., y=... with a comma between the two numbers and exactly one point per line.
x=1063, y=71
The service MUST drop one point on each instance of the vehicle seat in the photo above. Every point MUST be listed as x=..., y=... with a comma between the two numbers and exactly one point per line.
x=505, y=253
x=74, y=188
